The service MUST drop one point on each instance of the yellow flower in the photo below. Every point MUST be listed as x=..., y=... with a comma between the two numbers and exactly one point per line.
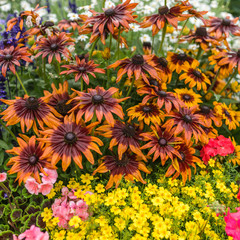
x=120, y=223
x=51, y=194
x=46, y=214
x=100, y=188
x=87, y=178
x=75, y=222
x=59, y=235
x=211, y=162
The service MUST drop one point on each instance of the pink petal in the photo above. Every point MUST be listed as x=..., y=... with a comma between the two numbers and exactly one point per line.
x=51, y=176
x=3, y=177
x=45, y=188
x=32, y=186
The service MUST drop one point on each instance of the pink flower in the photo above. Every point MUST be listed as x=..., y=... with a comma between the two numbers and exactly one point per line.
x=238, y=196
x=32, y=186
x=233, y=224
x=34, y=233
x=51, y=176
x=3, y=177
x=45, y=188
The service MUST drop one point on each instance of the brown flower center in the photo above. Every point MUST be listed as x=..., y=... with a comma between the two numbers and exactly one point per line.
x=154, y=82
x=238, y=53
x=123, y=162
x=163, y=10
x=32, y=103
x=162, y=61
x=70, y=138
x=187, y=118
x=146, y=109
x=129, y=131
x=227, y=113
x=109, y=12
x=62, y=107
x=162, y=94
x=138, y=59
x=186, y=97
x=81, y=69
x=33, y=160
x=183, y=156
x=226, y=22
x=48, y=24
x=54, y=46
x=8, y=57
x=197, y=73
x=201, y=31
x=182, y=56
x=205, y=109
x=147, y=45
x=97, y=99
x=162, y=141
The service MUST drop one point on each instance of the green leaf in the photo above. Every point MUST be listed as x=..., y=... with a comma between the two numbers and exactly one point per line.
x=4, y=145
x=6, y=235
x=16, y=215
x=2, y=209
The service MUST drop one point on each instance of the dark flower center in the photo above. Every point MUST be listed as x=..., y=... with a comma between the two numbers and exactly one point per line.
x=97, y=99
x=205, y=109
x=147, y=44
x=54, y=46
x=182, y=56
x=146, y=109
x=32, y=103
x=109, y=12
x=186, y=97
x=82, y=56
x=162, y=141
x=81, y=69
x=129, y=131
x=183, y=156
x=163, y=10
x=123, y=162
x=62, y=107
x=227, y=113
x=187, y=118
x=162, y=61
x=70, y=138
x=8, y=57
x=33, y=160
x=201, y=31
x=162, y=94
x=138, y=59
x=238, y=53
x=197, y=73
x=154, y=82
x=226, y=22
x=48, y=24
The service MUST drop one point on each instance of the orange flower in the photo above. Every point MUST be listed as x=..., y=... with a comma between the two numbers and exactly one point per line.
x=70, y=140
x=29, y=111
x=128, y=167
x=29, y=160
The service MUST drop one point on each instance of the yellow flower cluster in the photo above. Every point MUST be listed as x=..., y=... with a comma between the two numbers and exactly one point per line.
x=164, y=210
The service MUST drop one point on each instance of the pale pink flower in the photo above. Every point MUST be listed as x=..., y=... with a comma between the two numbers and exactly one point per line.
x=45, y=188
x=3, y=177
x=32, y=186
x=51, y=176
x=34, y=233
x=233, y=224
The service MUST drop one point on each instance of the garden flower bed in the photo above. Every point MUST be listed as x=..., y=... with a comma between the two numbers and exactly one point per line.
x=119, y=120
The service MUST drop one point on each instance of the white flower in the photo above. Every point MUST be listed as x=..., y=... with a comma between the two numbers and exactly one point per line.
x=42, y=12
x=52, y=17
x=6, y=7
x=145, y=38
x=87, y=46
x=82, y=38
x=109, y=4
x=71, y=48
x=38, y=20
x=25, y=6
x=134, y=27
x=29, y=21
x=73, y=16
x=48, y=32
x=89, y=14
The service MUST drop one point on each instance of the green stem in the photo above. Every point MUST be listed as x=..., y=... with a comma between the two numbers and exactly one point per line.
x=92, y=48
x=20, y=81
x=7, y=129
x=81, y=84
x=47, y=82
x=108, y=70
x=119, y=34
x=184, y=25
x=130, y=89
x=177, y=81
x=230, y=79
x=59, y=70
x=153, y=38
x=9, y=192
x=165, y=2
x=103, y=4
x=199, y=52
x=213, y=83
x=163, y=37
